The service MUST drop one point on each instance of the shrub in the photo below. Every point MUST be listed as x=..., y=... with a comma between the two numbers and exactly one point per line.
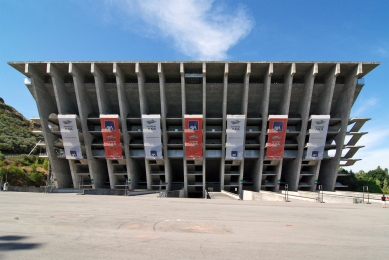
x=37, y=178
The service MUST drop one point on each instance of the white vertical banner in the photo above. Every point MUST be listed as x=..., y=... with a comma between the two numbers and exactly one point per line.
x=151, y=125
x=317, y=137
x=235, y=136
x=70, y=139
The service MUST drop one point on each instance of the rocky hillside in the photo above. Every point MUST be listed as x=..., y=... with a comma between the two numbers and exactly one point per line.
x=16, y=135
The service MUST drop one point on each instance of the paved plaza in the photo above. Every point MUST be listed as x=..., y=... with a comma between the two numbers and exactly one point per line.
x=71, y=226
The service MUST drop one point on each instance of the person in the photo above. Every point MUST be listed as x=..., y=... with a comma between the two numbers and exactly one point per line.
x=383, y=198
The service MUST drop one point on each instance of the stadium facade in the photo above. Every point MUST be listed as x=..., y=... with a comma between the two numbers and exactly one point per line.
x=193, y=126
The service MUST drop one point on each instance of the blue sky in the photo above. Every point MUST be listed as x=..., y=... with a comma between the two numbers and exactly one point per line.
x=269, y=30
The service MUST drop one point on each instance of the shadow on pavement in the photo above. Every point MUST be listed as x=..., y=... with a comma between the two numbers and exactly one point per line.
x=14, y=244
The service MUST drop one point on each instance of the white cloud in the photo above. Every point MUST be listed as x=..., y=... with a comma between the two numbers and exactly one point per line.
x=384, y=52
x=371, y=159
x=197, y=28
x=365, y=106
x=373, y=154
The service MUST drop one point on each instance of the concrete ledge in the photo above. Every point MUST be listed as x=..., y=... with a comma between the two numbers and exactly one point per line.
x=333, y=197
x=26, y=189
x=66, y=191
x=116, y=192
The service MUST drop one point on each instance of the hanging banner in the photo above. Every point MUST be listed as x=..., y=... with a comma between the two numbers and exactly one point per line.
x=235, y=136
x=317, y=137
x=111, y=136
x=194, y=136
x=151, y=125
x=70, y=139
x=276, y=136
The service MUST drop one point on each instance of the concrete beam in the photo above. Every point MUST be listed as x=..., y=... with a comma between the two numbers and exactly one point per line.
x=359, y=122
x=355, y=137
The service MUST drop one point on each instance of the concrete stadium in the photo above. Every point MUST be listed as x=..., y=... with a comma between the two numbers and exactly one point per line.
x=197, y=126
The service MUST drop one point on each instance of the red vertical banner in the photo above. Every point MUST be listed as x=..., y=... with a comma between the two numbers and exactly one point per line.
x=276, y=137
x=111, y=136
x=194, y=136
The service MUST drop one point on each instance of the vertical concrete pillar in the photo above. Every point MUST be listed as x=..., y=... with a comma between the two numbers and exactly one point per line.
x=283, y=109
x=64, y=101
x=224, y=127
x=204, y=71
x=46, y=105
x=342, y=108
x=183, y=100
x=324, y=103
x=132, y=171
x=97, y=168
x=168, y=177
x=144, y=109
x=293, y=175
x=65, y=106
x=244, y=112
x=264, y=113
x=102, y=97
x=104, y=108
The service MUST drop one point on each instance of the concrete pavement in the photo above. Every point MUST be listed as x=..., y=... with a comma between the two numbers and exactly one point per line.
x=70, y=226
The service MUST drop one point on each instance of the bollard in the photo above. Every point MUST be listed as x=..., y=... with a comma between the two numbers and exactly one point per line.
x=286, y=193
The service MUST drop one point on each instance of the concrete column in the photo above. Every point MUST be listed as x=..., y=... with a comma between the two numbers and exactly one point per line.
x=342, y=108
x=102, y=97
x=73, y=171
x=132, y=171
x=224, y=127
x=104, y=108
x=324, y=103
x=283, y=108
x=168, y=177
x=287, y=92
x=144, y=108
x=46, y=105
x=183, y=100
x=293, y=175
x=324, y=106
x=244, y=112
x=65, y=106
x=264, y=113
x=97, y=168
x=64, y=101
x=204, y=70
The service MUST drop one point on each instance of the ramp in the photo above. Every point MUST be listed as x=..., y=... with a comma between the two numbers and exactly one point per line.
x=220, y=196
